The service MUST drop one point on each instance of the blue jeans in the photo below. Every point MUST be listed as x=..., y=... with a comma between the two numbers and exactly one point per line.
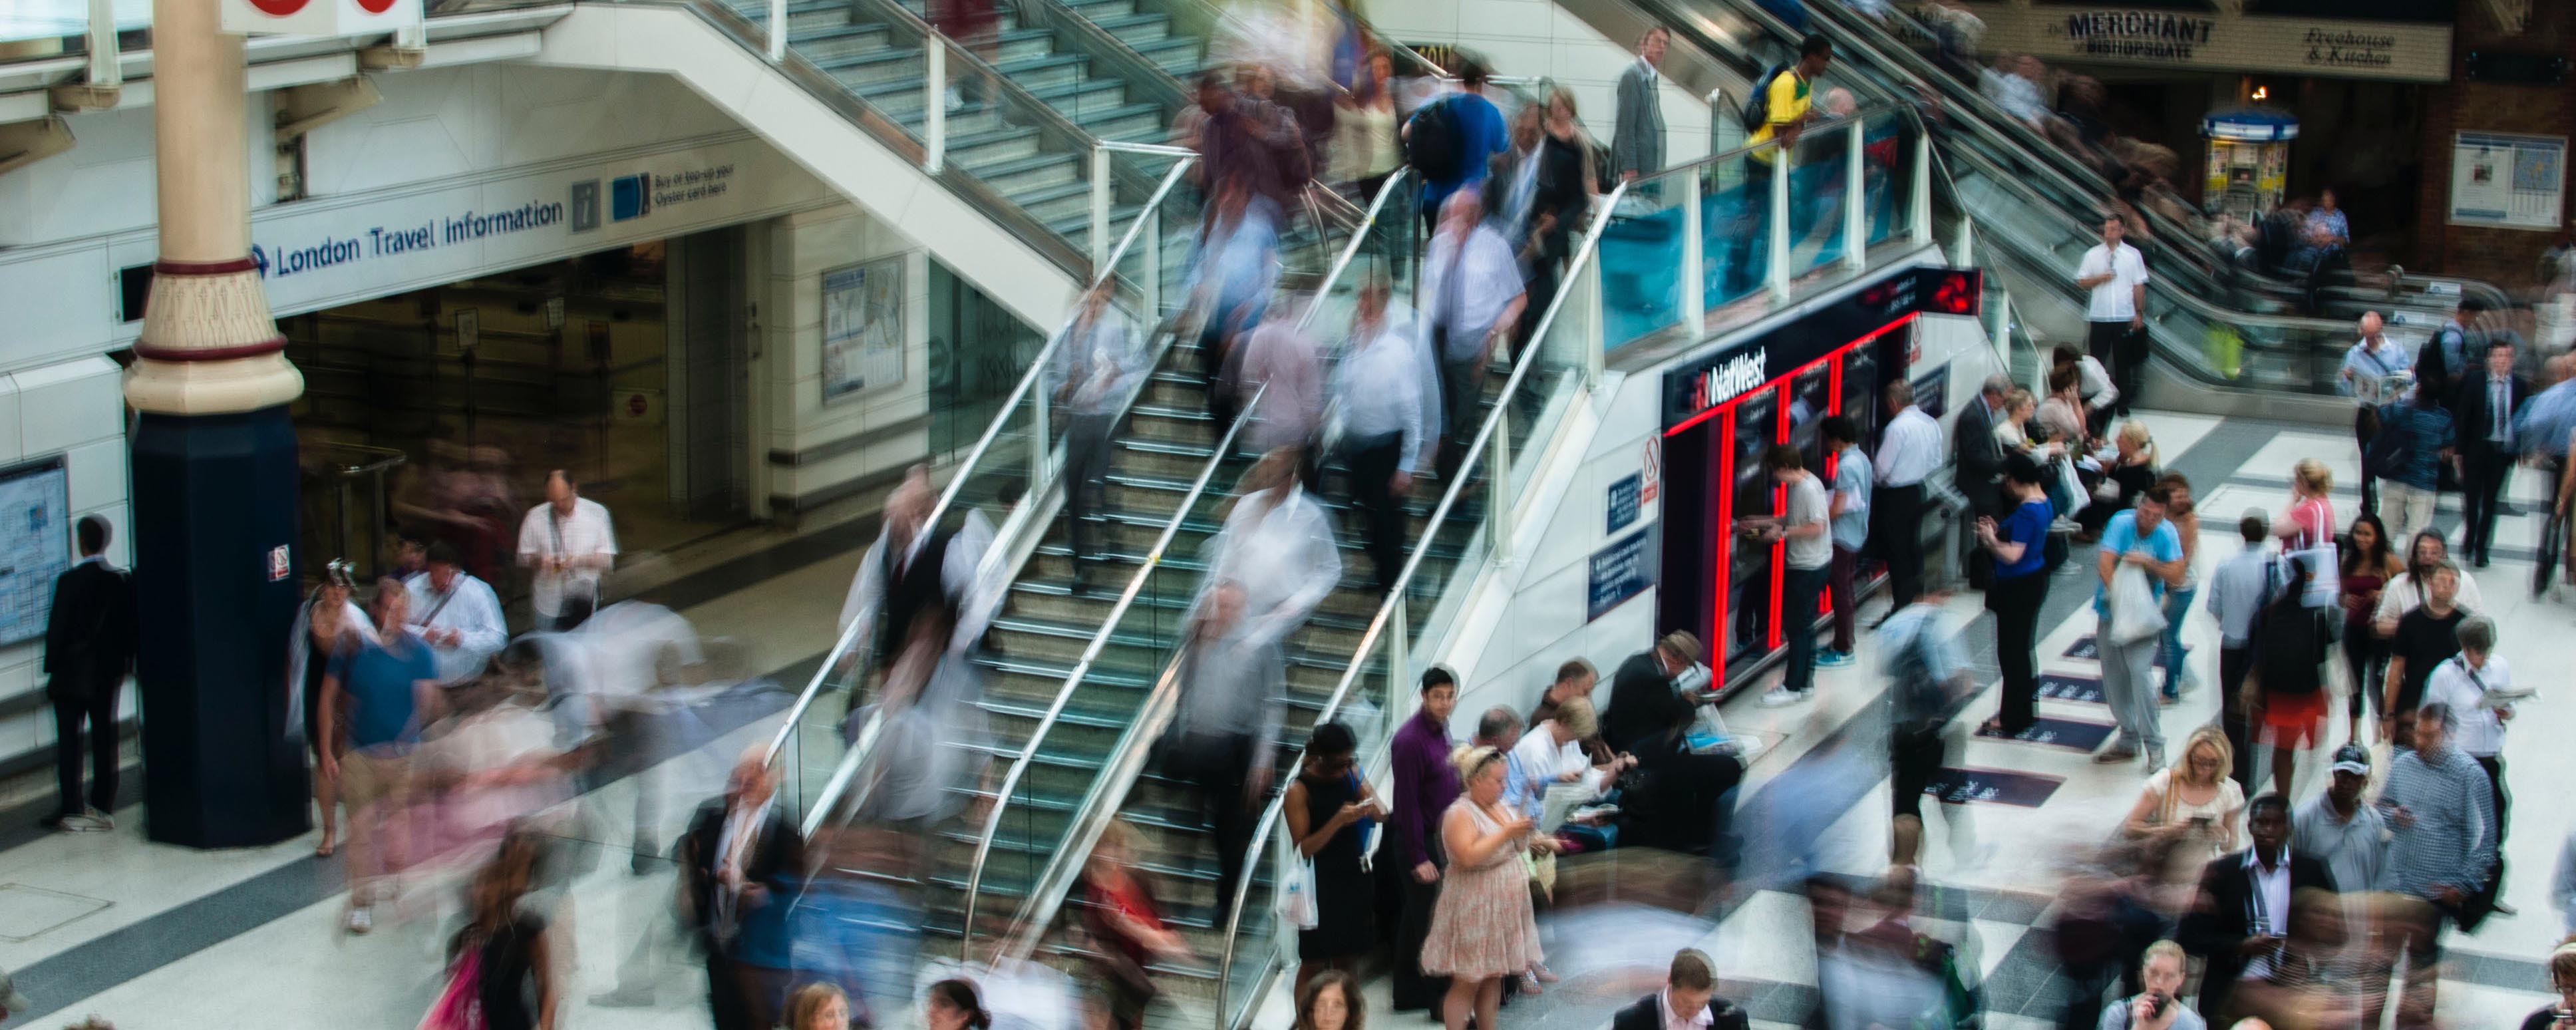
x=1799, y=591
x=2177, y=605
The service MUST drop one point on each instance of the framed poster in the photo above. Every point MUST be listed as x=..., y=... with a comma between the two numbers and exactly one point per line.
x=35, y=545
x=2508, y=181
x=862, y=327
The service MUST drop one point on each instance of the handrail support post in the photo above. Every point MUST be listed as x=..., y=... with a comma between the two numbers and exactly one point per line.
x=934, y=97
x=1855, y=201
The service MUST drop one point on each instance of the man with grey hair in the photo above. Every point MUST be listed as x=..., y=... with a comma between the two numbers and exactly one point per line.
x=2475, y=684
x=1471, y=297
x=1499, y=728
x=1978, y=451
x=2441, y=849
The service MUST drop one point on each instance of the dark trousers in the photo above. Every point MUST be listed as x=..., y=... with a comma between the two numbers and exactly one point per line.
x=2365, y=424
x=2123, y=352
x=1372, y=463
x=1842, y=581
x=726, y=1000
x=2233, y=664
x=1799, y=592
x=2503, y=806
x=1914, y=757
x=1896, y=533
x=1220, y=766
x=97, y=706
x=2016, y=603
x=2480, y=489
x=1544, y=280
x=1414, y=989
x=575, y=610
x=2361, y=653
x=1462, y=396
x=1086, y=483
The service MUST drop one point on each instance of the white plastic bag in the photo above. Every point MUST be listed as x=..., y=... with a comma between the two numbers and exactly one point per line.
x=1297, y=898
x=2071, y=487
x=2135, y=615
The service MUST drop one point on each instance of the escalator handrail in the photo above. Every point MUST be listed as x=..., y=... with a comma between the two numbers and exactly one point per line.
x=965, y=468
x=1271, y=815
x=1101, y=803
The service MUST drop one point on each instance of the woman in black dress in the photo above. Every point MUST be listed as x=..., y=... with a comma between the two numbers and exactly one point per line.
x=1330, y=813
x=328, y=626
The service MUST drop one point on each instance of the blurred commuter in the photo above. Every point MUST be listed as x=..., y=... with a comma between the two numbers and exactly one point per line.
x=2099, y=396
x=2426, y=638
x=2116, y=314
x=1475, y=301
x=2019, y=546
x=1331, y=1000
x=1383, y=443
x=376, y=698
x=2286, y=688
x=739, y=848
x=1483, y=929
x=2159, y=1006
x=931, y=740
x=2374, y=372
x=2446, y=358
x=1909, y=450
x=1559, y=196
x=91, y=635
x=1278, y=372
x=1332, y=818
x=1365, y=148
x=570, y=543
x=955, y=1005
x=1277, y=544
x=2243, y=911
x=1232, y=688
x=1425, y=786
x=2421, y=439
x=2368, y=563
x=2485, y=405
x=2104, y=930
x=2442, y=847
x=1643, y=699
x=2319, y=979
x=1786, y=101
x=1689, y=999
x=457, y=614
x=1637, y=142
x=818, y=1006
x=1451, y=140
x=1099, y=361
x=1231, y=279
x=2184, y=514
x=1124, y=920
x=1926, y=671
x=915, y=569
x=505, y=962
x=328, y=626
x=1801, y=530
x=2240, y=591
x=2192, y=805
x=2139, y=537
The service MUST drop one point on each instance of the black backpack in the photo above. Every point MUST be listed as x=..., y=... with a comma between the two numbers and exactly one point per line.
x=2392, y=448
x=2290, y=643
x=1757, y=108
x=1431, y=146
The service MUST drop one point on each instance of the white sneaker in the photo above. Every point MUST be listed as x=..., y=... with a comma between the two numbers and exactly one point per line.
x=1781, y=697
x=360, y=921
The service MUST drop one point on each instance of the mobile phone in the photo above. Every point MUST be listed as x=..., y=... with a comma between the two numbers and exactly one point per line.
x=2156, y=1005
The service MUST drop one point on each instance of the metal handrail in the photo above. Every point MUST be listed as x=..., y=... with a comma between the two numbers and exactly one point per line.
x=1270, y=816
x=1082, y=668
x=1083, y=828
x=965, y=468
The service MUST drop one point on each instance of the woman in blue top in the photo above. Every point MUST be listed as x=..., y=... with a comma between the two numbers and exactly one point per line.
x=2019, y=544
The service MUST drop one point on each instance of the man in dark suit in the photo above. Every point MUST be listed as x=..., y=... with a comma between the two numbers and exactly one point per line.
x=738, y=850
x=2482, y=409
x=1689, y=990
x=89, y=649
x=1980, y=455
x=1637, y=137
x=2243, y=912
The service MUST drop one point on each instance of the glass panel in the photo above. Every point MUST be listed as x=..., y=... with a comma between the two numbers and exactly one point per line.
x=1735, y=215
x=1887, y=175
x=1641, y=260
x=1818, y=177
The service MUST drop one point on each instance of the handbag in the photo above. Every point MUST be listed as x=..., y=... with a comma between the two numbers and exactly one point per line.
x=2135, y=615
x=2316, y=554
x=1297, y=899
x=460, y=1005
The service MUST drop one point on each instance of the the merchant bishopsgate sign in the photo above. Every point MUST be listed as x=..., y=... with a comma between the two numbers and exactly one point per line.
x=2212, y=41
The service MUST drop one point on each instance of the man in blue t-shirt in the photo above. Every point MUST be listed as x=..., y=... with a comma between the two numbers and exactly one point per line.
x=2140, y=537
x=1481, y=134
x=374, y=701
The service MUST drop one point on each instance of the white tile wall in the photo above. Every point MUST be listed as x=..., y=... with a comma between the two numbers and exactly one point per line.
x=73, y=409
x=801, y=248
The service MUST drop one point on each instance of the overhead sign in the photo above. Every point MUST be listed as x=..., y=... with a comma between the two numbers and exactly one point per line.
x=2334, y=47
x=319, y=17
x=1699, y=383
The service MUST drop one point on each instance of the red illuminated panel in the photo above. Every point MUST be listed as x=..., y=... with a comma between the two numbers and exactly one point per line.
x=1780, y=506
x=1717, y=647
x=1952, y=291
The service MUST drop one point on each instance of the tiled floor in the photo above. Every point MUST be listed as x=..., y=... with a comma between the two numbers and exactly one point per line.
x=152, y=937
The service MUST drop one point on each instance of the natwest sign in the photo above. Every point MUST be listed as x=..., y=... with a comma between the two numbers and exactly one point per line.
x=319, y=17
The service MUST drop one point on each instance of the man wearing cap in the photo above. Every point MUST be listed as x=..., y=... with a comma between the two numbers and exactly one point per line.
x=2351, y=838
x=1642, y=699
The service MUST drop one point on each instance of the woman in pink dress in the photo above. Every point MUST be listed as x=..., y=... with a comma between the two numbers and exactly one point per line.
x=1482, y=928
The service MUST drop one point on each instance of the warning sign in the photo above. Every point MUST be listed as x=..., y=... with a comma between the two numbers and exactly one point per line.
x=1653, y=470
x=644, y=406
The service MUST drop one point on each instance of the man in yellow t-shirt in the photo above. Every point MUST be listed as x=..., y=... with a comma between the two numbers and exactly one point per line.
x=1792, y=93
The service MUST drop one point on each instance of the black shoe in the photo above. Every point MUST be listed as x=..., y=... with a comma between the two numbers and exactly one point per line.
x=2481, y=562
x=645, y=860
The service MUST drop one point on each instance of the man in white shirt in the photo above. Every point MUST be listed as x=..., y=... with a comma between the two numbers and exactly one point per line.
x=1382, y=441
x=569, y=542
x=2465, y=683
x=2115, y=316
x=457, y=614
x=2373, y=369
x=1472, y=297
x=1097, y=363
x=1907, y=452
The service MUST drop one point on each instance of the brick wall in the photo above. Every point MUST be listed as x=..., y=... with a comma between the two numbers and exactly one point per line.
x=2502, y=256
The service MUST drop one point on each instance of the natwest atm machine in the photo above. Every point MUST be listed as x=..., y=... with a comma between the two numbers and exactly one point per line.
x=1724, y=408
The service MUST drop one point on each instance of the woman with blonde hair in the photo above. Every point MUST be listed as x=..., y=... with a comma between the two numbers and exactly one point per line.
x=2194, y=798
x=818, y=1006
x=1483, y=928
x=2132, y=471
x=2308, y=523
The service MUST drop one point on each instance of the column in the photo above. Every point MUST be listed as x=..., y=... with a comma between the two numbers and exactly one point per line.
x=214, y=472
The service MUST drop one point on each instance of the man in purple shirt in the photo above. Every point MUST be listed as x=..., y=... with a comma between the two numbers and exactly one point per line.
x=1425, y=784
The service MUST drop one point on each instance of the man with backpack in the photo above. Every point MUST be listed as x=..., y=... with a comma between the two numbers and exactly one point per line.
x=2414, y=441
x=2239, y=592
x=1451, y=141
x=1926, y=668
x=1776, y=110
x=2445, y=358
x=2285, y=689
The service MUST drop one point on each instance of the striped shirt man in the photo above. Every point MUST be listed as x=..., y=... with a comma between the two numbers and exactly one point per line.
x=2439, y=805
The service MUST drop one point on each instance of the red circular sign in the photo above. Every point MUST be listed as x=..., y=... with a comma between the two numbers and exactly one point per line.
x=375, y=6
x=279, y=8
x=634, y=402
